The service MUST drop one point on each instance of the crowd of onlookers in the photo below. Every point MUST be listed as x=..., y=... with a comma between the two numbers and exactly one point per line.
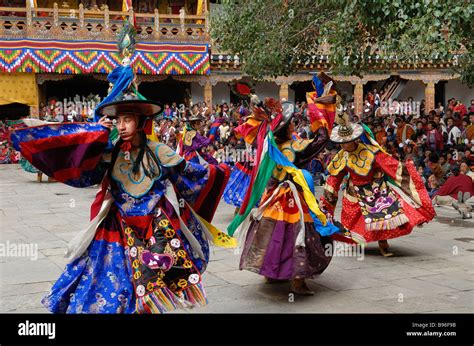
x=7, y=153
x=436, y=141
x=219, y=123
x=439, y=141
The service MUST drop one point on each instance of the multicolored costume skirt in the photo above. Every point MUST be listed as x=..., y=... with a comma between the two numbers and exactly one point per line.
x=111, y=276
x=27, y=166
x=380, y=210
x=238, y=184
x=279, y=244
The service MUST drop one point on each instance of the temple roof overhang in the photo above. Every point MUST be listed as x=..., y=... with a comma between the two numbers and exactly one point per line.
x=231, y=63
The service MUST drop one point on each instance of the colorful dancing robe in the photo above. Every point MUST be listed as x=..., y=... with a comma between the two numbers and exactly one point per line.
x=384, y=198
x=239, y=180
x=28, y=167
x=131, y=214
x=283, y=239
x=193, y=148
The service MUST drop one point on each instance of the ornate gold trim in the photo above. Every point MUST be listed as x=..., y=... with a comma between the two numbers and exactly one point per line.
x=360, y=160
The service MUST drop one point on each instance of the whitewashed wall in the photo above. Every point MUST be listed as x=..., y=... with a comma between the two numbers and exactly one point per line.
x=414, y=89
x=346, y=88
x=197, y=92
x=220, y=93
x=454, y=88
x=291, y=95
x=267, y=89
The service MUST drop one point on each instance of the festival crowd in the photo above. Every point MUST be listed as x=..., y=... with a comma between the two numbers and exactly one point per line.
x=439, y=141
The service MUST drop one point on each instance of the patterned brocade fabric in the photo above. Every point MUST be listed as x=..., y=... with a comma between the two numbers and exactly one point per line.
x=289, y=149
x=359, y=160
x=71, y=153
x=111, y=277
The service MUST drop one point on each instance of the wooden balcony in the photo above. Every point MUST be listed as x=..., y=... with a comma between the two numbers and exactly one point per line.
x=80, y=24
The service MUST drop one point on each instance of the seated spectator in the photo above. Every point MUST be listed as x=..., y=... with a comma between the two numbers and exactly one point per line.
x=468, y=157
x=465, y=169
x=412, y=151
x=419, y=129
x=440, y=108
x=463, y=137
x=421, y=172
x=392, y=148
x=453, y=133
x=470, y=128
x=224, y=130
x=460, y=109
x=435, y=167
x=434, y=139
x=450, y=159
x=433, y=186
x=445, y=165
x=390, y=135
x=456, y=192
x=316, y=167
x=380, y=134
x=441, y=126
x=403, y=131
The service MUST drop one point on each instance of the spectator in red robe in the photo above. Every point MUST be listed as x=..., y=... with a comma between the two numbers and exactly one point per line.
x=434, y=139
x=460, y=109
x=456, y=191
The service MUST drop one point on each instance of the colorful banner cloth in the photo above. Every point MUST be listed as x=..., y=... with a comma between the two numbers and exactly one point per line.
x=78, y=57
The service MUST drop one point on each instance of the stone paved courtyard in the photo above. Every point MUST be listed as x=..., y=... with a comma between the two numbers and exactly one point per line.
x=432, y=271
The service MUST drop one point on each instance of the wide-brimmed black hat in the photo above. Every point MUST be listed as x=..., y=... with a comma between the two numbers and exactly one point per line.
x=129, y=103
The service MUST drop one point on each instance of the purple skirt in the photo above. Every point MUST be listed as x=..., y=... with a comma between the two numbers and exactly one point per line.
x=270, y=250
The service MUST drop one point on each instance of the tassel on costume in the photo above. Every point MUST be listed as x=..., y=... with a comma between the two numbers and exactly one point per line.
x=387, y=224
x=164, y=300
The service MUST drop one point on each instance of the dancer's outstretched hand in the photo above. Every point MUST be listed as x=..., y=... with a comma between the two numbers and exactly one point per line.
x=104, y=121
